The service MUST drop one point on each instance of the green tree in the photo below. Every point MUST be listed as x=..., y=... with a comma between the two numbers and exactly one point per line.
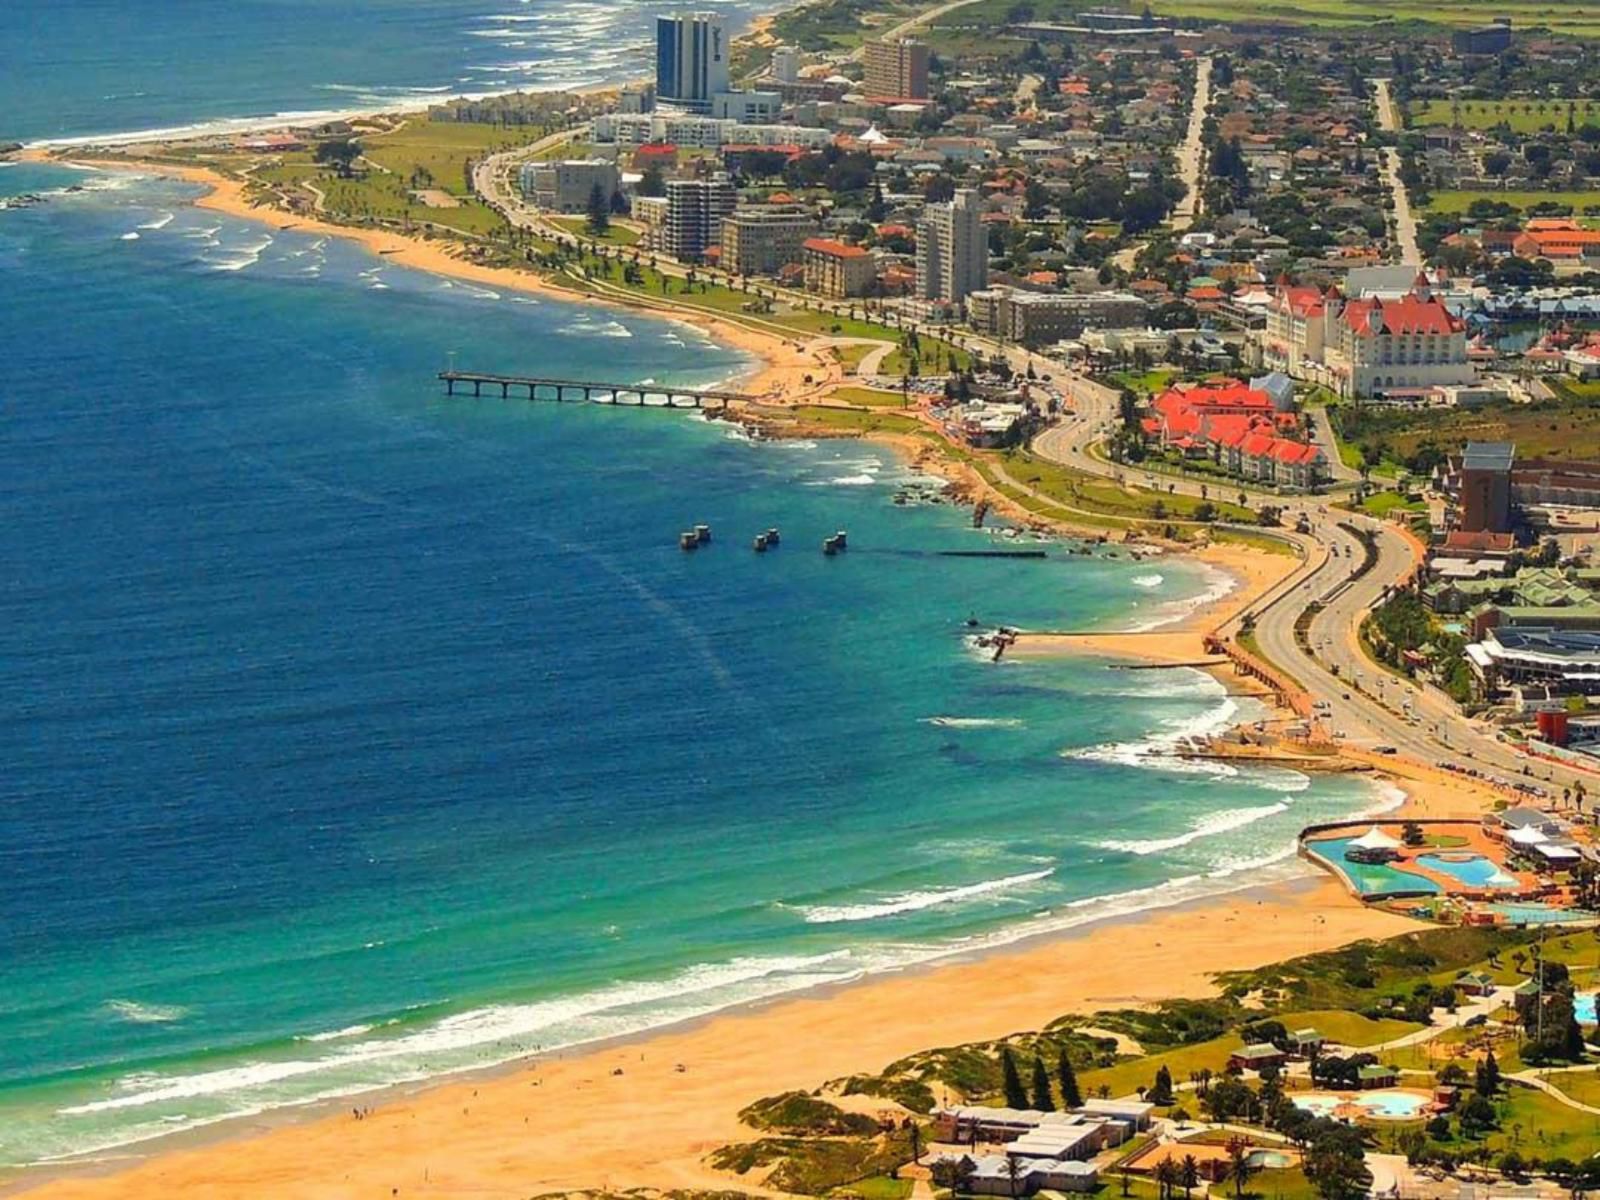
x=1161, y=1092
x=1011, y=1083
x=1071, y=1094
x=1041, y=1087
x=599, y=222
x=1335, y=1162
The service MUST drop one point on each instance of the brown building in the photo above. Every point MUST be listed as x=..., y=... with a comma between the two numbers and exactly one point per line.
x=1486, y=487
x=836, y=269
x=759, y=240
x=895, y=70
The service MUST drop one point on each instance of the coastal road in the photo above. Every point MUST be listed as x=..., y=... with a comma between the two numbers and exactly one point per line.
x=1405, y=222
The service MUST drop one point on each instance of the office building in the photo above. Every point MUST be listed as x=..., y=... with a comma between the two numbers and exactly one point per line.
x=1485, y=39
x=757, y=241
x=1036, y=319
x=952, y=252
x=895, y=70
x=696, y=209
x=566, y=186
x=691, y=60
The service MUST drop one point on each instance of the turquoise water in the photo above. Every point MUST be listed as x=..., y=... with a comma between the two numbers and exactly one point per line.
x=358, y=735
x=1476, y=871
x=1583, y=1007
x=1372, y=879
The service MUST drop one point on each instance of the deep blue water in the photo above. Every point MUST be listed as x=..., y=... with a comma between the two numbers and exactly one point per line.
x=75, y=67
x=354, y=734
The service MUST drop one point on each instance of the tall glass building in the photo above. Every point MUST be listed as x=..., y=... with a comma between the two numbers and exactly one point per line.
x=691, y=60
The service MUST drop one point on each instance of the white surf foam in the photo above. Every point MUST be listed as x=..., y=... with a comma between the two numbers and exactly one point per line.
x=131, y=236
x=334, y=1035
x=160, y=222
x=146, y=1014
x=623, y=1007
x=1208, y=826
x=974, y=722
x=1147, y=581
x=827, y=914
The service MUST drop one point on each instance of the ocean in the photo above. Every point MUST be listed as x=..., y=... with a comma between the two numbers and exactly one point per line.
x=97, y=67
x=355, y=734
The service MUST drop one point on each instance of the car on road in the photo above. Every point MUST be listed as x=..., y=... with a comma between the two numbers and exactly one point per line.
x=1385, y=750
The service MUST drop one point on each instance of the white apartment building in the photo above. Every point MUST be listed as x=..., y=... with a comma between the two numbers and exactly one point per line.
x=952, y=250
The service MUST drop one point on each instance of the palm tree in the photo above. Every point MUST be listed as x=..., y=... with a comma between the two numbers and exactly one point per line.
x=1013, y=1172
x=1239, y=1163
x=1189, y=1175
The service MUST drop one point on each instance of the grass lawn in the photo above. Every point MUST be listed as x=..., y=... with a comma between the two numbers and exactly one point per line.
x=1523, y=116
x=1533, y=1123
x=877, y=1187
x=1348, y=1028
x=1381, y=504
x=851, y=356
x=1582, y=1086
x=1146, y=383
x=1126, y=1077
x=1102, y=495
x=856, y=420
x=870, y=397
x=1459, y=202
x=1256, y=541
x=1543, y=429
x=615, y=235
x=1578, y=19
x=1578, y=392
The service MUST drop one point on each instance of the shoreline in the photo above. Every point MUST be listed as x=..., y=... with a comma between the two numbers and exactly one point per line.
x=778, y=375
x=477, y=1120
x=858, y=1020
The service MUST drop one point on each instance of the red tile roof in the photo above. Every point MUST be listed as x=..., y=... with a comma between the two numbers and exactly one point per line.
x=834, y=249
x=1407, y=315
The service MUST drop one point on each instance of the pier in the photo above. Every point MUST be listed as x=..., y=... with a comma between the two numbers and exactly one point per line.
x=587, y=391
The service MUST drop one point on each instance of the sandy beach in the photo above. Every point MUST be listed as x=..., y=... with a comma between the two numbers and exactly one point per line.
x=626, y=1115
x=785, y=364
x=644, y=1112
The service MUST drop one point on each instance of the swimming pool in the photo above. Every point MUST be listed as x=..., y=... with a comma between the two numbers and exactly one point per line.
x=1538, y=914
x=1382, y=1105
x=1371, y=879
x=1474, y=870
x=1583, y=1008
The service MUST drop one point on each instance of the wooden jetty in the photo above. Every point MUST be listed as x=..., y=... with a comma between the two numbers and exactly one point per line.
x=587, y=391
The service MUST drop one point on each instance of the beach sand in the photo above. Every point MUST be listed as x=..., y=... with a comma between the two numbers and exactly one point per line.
x=785, y=363
x=625, y=1115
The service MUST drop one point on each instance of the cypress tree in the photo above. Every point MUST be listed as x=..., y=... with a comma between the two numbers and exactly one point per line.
x=1041, y=1087
x=1071, y=1095
x=1016, y=1097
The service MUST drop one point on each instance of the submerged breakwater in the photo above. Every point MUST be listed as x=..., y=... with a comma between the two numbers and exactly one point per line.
x=357, y=734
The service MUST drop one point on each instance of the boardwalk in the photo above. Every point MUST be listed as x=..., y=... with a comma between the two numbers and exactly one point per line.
x=589, y=391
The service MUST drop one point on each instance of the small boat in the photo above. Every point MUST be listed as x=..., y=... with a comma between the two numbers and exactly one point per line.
x=841, y=539
x=687, y=540
x=830, y=546
x=972, y=621
x=760, y=544
x=772, y=536
x=702, y=534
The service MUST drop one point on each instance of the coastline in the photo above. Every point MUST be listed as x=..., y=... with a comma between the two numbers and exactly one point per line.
x=622, y=1114
x=853, y=1026
x=782, y=365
